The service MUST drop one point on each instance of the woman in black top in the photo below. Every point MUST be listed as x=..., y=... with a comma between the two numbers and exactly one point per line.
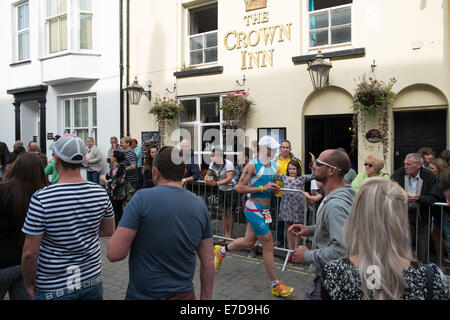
x=379, y=263
x=148, y=174
x=25, y=177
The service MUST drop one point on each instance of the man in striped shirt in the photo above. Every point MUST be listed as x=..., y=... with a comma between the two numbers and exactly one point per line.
x=61, y=254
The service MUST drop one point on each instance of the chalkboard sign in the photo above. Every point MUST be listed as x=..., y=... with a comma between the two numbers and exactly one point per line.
x=152, y=136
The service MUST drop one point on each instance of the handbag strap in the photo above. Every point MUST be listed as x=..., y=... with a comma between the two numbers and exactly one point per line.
x=429, y=272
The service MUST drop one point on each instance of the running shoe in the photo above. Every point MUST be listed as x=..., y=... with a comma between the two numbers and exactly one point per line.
x=218, y=257
x=281, y=290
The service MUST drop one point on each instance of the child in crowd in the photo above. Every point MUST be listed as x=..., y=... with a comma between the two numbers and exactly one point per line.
x=292, y=204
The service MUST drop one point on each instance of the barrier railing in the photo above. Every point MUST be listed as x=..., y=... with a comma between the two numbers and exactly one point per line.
x=220, y=202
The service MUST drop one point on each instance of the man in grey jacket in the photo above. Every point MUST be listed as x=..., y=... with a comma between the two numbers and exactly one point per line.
x=330, y=169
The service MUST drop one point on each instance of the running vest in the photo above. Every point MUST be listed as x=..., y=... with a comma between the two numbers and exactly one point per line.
x=263, y=176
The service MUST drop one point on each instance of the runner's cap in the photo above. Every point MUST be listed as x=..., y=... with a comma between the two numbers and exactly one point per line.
x=269, y=142
x=68, y=148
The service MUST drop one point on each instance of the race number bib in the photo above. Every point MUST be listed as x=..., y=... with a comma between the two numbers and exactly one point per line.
x=267, y=216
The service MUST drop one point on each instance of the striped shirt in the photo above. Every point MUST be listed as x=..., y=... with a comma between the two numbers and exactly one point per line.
x=68, y=216
x=130, y=157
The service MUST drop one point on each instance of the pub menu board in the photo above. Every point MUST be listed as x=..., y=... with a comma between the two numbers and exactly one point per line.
x=152, y=136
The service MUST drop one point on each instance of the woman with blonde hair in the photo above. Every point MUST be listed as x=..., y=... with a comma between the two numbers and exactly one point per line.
x=373, y=168
x=379, y=264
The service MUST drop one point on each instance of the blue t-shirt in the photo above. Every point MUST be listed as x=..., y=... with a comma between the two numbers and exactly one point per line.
x=170, y=223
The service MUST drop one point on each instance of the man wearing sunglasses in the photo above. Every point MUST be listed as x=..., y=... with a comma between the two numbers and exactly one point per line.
x=330, y=169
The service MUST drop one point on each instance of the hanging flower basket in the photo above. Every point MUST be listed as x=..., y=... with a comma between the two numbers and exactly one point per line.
x=373, y=99
x=235, y=107
x=163, y=110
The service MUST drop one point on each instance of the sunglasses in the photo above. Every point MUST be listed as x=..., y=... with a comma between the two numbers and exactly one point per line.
x=368, y=165
x=321, y=163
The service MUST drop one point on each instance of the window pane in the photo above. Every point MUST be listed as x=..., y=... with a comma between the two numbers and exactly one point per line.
x=83, y=134
x=63, y=33
x=341, y=16
x=318, y=38
x=94, y=135
x=190, y=111
x=210, y=138
x=23, y=17
x=197, y=57
x=52, y=8
x=192, y=136
x=85, y=112
x=62, y=6
x=196, y=43
x=85, y=31
x=341, y=35
x=77, y=113
x=53, y=35
x=211, y=40
x=94, y=112
x=210, y=55
x=209, y=111
x=318, y=21
x=323, y=4
x=24, y=46
x=203, y=19
x=67, y=114
x=85, y=5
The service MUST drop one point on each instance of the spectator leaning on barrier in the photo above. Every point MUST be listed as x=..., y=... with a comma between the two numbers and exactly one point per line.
x=61, y=254
x=223, y=170
x=330, y=169
x=379, y=264
x=422, y=189
x=373, y=168
x=164, y=236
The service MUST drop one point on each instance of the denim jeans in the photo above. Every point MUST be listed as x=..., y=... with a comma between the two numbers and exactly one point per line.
x=446, y=228
x=93, y=176
x=86, y=292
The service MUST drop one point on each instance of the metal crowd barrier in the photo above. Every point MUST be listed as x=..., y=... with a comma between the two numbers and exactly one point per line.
x=234, y=203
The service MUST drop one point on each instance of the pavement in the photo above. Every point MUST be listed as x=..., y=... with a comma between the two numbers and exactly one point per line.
x=240, y=278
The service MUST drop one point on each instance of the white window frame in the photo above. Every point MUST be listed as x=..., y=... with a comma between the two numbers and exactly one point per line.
x=91, y=13
x=329, y=28
x=198, y=126
x=188, y=37
x=92, y=129
x=48, y=18
x=20, y=32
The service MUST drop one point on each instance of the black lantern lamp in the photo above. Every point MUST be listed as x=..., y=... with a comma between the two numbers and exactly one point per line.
x=319, y=70
x=135, y=92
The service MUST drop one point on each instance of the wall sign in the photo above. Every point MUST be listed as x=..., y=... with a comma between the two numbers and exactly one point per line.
x=261, y=34
x=373, y=136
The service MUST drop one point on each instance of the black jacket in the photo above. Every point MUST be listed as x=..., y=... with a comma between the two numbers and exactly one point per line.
x=192, y=169
x=430, y=192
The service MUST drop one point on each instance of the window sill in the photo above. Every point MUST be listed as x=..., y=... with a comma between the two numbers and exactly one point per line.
x=20, y=63
x=198, y=72
x=340, y=54
x=69, y=53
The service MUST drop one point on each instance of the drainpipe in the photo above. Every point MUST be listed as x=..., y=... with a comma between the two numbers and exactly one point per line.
x=128, y=66
x=122, y=125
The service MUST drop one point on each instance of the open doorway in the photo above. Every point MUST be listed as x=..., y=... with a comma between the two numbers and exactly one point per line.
x=329, y=132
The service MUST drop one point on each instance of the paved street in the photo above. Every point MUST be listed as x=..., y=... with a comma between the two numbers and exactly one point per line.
x=241, y=278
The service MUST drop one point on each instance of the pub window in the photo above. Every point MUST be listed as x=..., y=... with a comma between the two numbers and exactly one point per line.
x=330, y=22
x=203, y=35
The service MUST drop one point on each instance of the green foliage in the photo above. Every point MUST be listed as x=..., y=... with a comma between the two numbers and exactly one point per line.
x=235, y=105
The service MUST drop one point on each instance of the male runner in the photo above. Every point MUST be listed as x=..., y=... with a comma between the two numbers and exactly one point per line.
x=258, y=180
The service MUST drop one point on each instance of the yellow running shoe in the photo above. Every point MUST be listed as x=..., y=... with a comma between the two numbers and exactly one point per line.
x=218, y=257
x=281, y=290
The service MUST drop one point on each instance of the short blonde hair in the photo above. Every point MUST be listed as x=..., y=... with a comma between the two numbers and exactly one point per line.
x=377, y=163
x=127, y=140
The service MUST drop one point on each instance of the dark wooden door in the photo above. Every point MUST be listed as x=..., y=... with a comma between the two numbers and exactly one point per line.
x=414, y=130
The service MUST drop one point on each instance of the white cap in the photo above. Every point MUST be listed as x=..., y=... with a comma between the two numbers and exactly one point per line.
x=69, y=147
x=268, y=142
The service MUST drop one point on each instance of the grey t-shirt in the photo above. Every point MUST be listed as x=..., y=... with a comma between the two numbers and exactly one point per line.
x=170, y=223
x=221, y=173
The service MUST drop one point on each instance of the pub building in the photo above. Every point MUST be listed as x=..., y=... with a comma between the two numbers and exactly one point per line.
x=299, y=62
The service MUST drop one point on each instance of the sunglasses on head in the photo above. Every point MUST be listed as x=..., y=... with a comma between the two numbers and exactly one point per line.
x=321, y=163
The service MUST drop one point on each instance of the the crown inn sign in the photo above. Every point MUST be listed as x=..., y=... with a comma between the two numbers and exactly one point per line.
x=263, y=35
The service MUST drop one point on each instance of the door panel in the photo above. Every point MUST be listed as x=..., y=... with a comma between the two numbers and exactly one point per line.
x=414, y=130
